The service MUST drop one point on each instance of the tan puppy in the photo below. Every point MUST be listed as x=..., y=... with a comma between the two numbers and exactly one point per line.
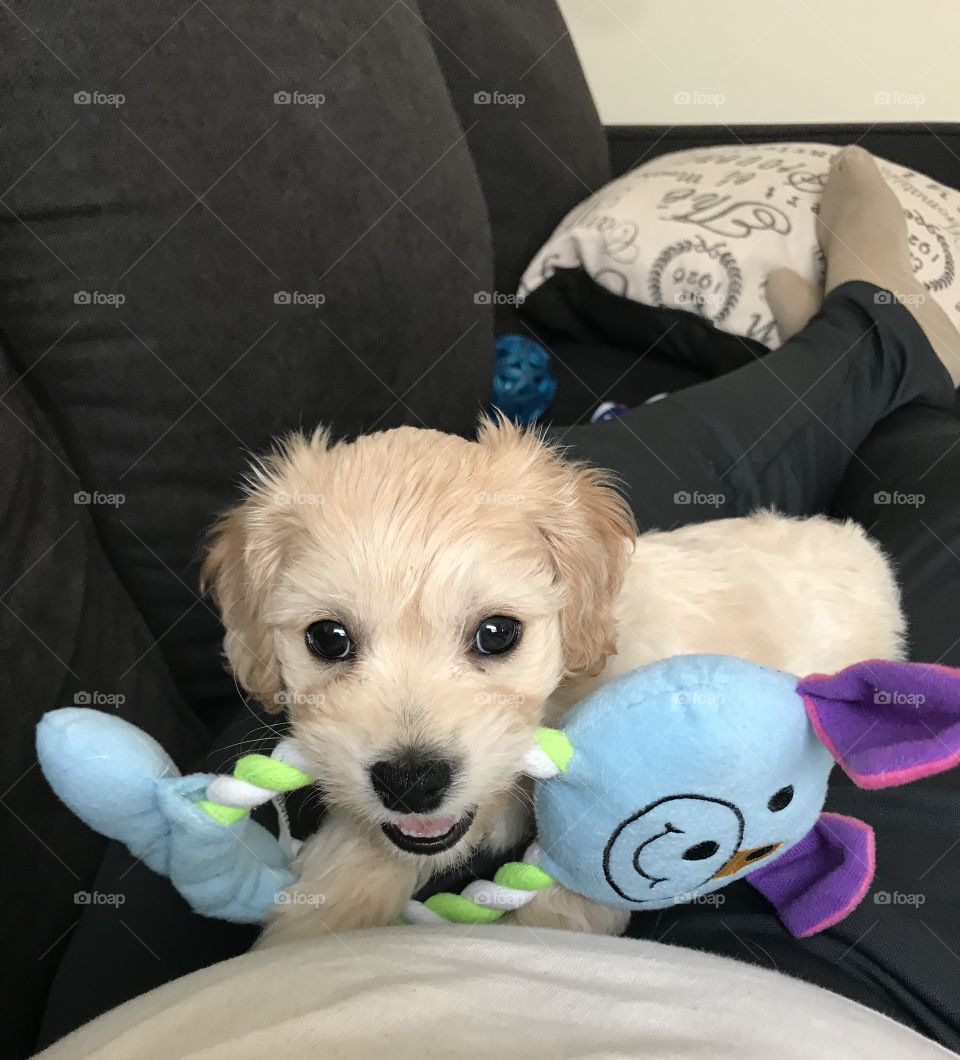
x=420, y=603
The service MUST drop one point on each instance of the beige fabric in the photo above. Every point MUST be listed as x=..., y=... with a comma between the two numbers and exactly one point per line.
x=478, y=992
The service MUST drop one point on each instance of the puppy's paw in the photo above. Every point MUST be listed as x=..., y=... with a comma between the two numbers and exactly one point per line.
x=347, y=881
x=557, y=907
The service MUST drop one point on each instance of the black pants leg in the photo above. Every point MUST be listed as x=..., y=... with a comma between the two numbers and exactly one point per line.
x=780, y=431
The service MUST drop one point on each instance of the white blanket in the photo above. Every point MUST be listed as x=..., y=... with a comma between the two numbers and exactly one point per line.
x=485, y=992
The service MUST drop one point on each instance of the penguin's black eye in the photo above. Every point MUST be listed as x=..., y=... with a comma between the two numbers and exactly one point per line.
x=781, y=799
x=497, y=635
x=329, y=640
x=701, y=851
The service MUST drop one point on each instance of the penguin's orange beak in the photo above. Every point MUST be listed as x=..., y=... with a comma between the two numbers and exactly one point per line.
x=743, y=858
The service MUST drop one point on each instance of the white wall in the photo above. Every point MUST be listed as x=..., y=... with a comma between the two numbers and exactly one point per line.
x=677, y=62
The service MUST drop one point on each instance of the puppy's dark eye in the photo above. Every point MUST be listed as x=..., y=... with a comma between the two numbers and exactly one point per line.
x=497, y=635
x=329, y=640
x=781, y=799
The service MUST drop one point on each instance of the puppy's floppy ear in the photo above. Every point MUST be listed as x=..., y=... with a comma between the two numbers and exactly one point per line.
x=589, y=531
x=244, y=555
x=236, y=574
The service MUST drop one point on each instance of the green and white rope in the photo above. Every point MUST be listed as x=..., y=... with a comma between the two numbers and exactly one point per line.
x=514, y=885
x=256, y=779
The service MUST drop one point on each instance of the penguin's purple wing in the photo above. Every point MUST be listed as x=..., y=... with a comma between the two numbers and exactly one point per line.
x=821, y=879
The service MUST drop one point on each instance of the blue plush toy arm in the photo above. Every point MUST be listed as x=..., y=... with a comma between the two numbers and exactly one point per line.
x=120, y=782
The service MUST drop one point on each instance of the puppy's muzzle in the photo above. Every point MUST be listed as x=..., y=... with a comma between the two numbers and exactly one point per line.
x=415, y=785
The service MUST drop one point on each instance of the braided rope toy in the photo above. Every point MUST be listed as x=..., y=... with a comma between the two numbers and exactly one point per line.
x=514, y=885
x=256, y=779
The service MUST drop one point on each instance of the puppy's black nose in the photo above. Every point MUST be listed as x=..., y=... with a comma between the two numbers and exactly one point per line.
x=411, y=783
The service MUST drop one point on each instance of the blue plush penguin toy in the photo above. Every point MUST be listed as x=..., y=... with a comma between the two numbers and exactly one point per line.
x=642, y=818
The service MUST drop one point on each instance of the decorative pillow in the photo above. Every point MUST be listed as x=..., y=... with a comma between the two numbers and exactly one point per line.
x=702, y=229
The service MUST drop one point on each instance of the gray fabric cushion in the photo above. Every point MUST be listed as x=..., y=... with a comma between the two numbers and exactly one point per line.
x=533, y=130
x=69, y=634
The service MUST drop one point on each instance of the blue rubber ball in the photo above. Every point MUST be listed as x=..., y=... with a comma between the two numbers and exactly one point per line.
x=523, y=382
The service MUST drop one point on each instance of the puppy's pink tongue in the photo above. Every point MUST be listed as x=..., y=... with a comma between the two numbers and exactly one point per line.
x=416, y=824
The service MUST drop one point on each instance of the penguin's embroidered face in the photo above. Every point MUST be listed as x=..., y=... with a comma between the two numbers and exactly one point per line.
x=681, y=777
x=677, y=845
